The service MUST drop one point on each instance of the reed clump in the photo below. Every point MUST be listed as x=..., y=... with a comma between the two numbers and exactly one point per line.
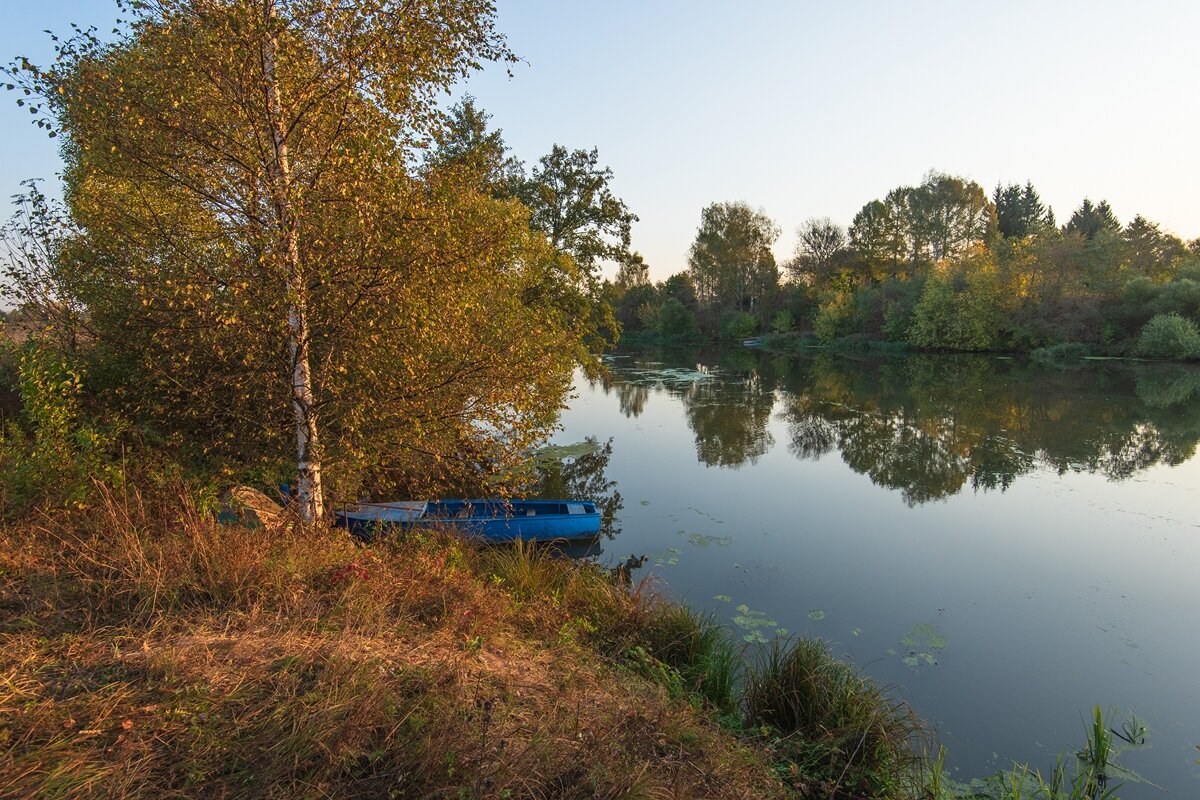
x=833, y=723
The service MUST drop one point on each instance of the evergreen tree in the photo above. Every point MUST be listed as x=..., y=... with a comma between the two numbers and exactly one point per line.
x=1020, y=212
x=1088, y=220
x=1010, y=216
x=1148, y=250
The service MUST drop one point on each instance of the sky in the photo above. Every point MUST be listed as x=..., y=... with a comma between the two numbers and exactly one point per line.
x=810, y=109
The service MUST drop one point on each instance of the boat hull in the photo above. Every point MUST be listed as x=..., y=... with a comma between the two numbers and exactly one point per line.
x=486, y=520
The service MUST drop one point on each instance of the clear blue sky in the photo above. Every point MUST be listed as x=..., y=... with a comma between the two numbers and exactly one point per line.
x=812, y=109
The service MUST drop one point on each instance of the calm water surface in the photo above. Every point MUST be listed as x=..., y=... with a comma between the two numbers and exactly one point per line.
x=1006, y=545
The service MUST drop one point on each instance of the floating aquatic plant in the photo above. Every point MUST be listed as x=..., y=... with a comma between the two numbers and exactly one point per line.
x=704, y=540
x=753, y=622
x=921, y=646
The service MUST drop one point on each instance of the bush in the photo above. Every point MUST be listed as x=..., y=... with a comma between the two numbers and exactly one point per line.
x=56, y=456
x=1169, y=336
x=834, y=317
x=738, y=325
x=676, y=321
x=962, y=310
x=783, y=322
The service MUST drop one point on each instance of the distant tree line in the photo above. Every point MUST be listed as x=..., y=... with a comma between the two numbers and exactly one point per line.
x=939, y=265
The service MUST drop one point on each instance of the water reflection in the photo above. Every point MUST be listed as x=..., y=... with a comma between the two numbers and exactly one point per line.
x=583, y=474
x=730, y=417
x=927, y=426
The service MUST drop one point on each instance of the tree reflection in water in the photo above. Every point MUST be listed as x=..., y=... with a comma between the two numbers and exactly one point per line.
x=926, y=425
x=583, y=476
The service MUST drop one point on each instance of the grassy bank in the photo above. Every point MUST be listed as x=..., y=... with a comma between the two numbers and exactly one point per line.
x=146, y=651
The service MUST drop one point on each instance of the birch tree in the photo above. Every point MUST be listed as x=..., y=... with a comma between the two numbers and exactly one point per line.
x=730, y=260
x=250, y=232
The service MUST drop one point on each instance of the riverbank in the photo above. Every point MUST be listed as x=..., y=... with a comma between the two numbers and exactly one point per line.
x=1066, y=353
x=148, y=651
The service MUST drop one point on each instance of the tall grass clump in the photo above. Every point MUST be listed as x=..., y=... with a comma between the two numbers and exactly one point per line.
x=692, y=654
x=1090, y=780
x=832, y=723
x=573, y=600
x=699, y=649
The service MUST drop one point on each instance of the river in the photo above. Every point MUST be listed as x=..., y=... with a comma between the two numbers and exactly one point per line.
x=1005, y=545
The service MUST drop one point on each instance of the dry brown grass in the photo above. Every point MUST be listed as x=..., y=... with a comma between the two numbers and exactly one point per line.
x=146, y=651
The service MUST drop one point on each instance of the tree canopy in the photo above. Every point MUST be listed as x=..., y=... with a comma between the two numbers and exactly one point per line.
x=572, y=202
x=730, y=261
x=820, y=251
x=261, y=258
x=1092, y=218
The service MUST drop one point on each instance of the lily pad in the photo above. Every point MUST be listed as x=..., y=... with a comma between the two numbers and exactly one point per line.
x=670, y=558
x=703, y=540
x=921, y=645
x=750, y=620
x=816, y=614
x=923, y=636
x=724, y=598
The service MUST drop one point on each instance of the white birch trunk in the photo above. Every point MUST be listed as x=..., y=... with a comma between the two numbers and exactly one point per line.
x=308, y=458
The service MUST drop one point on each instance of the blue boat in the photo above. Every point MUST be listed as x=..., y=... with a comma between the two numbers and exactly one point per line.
x=487, y=520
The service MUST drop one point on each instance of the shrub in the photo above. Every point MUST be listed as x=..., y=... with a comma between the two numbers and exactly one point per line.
x=676, y=321
x=962, y=310
x=783, y=322
x=900, y=300
x=834, y=316
x=629, y=308
x=647, y=316
x=738, y=325
x=57, y=455
x=1169, y=336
